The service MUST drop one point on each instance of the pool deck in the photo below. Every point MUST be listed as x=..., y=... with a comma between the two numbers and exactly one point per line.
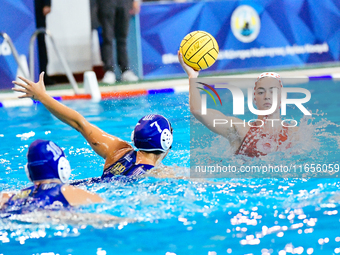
x=65, y=92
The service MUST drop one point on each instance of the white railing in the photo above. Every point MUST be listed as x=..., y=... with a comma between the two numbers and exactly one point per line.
x=60, y=56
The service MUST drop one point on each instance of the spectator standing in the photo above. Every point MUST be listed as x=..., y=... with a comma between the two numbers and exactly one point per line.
x=114, y=17
x=42, y=9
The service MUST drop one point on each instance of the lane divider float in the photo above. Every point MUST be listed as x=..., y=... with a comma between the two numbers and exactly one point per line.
x=129, y=93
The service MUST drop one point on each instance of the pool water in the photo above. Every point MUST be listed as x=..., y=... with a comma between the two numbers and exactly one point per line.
x=176, y=215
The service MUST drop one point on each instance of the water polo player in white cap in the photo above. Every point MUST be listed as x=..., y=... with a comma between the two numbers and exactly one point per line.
x=263, y=136
x=152, y=135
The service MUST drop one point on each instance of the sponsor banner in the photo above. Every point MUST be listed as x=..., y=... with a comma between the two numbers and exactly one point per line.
x=250, y=34
x=18, y=21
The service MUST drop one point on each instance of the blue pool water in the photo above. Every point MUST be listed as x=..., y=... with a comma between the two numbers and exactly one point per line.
x=175, y=215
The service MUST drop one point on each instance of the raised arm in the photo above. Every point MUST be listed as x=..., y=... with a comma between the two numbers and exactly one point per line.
x=226, y=130
x=101, y=142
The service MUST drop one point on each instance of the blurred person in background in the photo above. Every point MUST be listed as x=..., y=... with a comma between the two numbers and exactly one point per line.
x=114, y=18
x=42, y=9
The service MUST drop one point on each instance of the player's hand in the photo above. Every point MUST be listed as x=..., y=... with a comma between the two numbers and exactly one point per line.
x=192, y=73
x=31, y=89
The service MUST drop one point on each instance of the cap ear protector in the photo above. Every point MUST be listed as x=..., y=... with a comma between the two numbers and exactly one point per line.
x=153, y=133
x=166, y=139
x=46, y=160
x=64, y=169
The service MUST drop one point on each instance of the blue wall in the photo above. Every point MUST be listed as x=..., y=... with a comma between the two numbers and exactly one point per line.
x=291, y=33
x=18, y=21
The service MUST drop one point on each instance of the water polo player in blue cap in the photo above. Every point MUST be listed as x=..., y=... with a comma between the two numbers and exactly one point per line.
x=152, y=135
x=49, y=170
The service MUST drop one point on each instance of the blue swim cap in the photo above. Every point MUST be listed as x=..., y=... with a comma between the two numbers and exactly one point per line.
x=46, y=160
x=153, y=133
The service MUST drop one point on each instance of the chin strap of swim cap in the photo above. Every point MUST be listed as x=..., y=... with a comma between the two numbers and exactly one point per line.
x=64, y=169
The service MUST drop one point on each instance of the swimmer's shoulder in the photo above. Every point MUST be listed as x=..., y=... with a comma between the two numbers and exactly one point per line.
x=163, y=171
x=115, y=144
x=117, y=151
x=242, y=130
x=4, y=197
x=293, y=134
x=293, y=130
x=76, y=196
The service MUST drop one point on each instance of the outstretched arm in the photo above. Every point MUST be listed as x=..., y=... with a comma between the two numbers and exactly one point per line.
x=226, y=131
x=101, y=142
